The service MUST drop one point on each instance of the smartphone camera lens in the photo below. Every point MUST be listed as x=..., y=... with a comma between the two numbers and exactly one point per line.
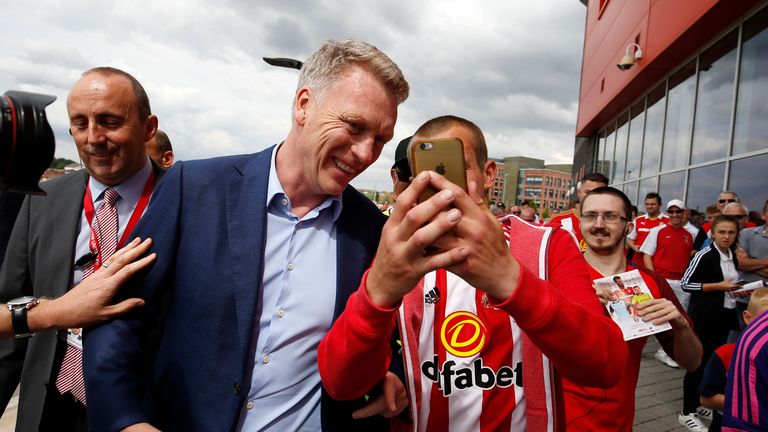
x=426, y=146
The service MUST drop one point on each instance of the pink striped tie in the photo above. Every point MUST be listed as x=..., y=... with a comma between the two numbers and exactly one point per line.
x=104, y=225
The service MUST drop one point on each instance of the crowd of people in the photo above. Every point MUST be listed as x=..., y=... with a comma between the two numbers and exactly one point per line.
x=274, y=296
x=702, y=259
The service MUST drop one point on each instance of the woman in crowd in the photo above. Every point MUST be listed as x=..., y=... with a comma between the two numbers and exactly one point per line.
x=709, y=278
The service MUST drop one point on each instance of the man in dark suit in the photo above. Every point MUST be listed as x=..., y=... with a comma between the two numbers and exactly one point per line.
x=53, y=247
x=258, y=254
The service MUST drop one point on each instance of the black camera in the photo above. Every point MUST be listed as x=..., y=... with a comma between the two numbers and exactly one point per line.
x=26, y=141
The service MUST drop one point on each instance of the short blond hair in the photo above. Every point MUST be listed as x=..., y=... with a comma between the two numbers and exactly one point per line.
x=333, y=57
x=759, y=302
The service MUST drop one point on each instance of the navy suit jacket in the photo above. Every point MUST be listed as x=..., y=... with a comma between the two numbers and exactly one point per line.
x=208, y=222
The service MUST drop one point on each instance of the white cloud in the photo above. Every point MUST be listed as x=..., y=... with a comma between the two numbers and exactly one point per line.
x=511, y=66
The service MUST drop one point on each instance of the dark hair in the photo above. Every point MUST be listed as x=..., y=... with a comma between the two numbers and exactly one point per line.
x=653, y=195
x=142, y=100
x=617, y=277
x=595, y=177
x=725, y=218
x=163, y=142
x=439, y=124
x=765, y=207
x=608, y=190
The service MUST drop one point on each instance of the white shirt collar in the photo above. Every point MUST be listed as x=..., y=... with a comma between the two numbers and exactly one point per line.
x=130, y=189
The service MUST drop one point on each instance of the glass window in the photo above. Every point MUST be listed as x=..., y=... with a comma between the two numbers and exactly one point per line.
x=620, y=155
x=535, y=192
x=533, y=180
x=631, y=190
x=654, y=126
x=635, y=145
x=751, y=127
x=646, y=186
x=717, y=70
x=600, y=167
x=610, y=146
x=677, y=130
x=747, y=178
x=703, y=186
x=671, y=186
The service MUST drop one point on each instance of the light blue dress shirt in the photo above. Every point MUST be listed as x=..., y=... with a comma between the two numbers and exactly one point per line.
x=295, y=311
x=130, y=191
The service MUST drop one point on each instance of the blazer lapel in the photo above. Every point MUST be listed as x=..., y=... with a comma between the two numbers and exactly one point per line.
x=63, y=221
x=246, y=231
x=356, y=244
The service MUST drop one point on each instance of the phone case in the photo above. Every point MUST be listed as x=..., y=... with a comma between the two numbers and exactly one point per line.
x=444, y=156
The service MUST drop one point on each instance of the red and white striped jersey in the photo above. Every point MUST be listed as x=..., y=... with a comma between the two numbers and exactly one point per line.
x=569, y=221
x=470, y=360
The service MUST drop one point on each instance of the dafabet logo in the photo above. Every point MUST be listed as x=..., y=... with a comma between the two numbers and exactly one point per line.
x=463, y=334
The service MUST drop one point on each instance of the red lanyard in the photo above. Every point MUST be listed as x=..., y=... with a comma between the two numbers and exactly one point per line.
x=137, y=212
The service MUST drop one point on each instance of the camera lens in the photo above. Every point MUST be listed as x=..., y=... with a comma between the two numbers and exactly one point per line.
x=26, y=141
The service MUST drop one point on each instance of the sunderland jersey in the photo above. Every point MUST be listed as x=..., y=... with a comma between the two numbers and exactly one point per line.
x=569, y=222
x=470, y=360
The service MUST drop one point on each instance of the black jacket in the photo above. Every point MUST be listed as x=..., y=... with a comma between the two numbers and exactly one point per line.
x=705, y=268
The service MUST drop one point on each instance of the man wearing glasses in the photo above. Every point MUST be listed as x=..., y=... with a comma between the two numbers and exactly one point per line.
x=740, y=212
x=668, y=248
x=605, y=223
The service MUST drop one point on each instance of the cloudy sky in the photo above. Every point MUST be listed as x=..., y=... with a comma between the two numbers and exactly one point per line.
x=512, y=66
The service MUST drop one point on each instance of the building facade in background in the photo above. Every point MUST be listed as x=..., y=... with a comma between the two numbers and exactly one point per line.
x=690, y=117
x=522, y=178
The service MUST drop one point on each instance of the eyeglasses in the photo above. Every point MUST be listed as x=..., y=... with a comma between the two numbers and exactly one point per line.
x=608, y=217
x=723, y=201
x=738, y=216
x=517, y=213
x=675, y=211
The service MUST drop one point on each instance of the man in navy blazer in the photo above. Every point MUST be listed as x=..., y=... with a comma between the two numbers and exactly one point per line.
x=256, y=257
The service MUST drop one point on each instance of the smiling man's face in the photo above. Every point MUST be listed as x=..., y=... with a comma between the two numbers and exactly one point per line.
x=105, y=123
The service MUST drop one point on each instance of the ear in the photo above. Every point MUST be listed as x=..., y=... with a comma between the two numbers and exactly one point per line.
x=393, y=175
x=301, y=105
x=489, y=173
x=151, y=128
x=167, y=159
x=747, y=317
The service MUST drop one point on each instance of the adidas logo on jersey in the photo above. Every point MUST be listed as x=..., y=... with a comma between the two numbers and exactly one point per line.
x=432, y=297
